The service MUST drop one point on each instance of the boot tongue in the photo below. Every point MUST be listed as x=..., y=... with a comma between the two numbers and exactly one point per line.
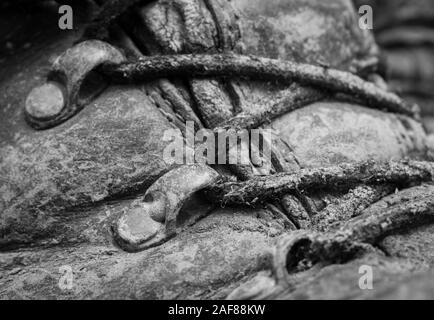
x=305, y=31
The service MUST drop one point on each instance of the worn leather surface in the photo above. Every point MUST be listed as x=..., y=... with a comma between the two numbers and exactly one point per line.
x=62, y=189
x=56, y=186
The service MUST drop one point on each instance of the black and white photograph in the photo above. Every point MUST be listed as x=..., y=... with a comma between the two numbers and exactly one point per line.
x=216, y=155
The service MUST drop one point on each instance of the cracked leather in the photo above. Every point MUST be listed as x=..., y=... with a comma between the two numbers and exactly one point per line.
x=62, y=189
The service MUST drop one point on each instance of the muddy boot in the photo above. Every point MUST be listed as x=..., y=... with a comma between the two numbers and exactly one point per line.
x=92, y=206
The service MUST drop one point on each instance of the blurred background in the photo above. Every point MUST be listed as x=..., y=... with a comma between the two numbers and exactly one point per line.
x=404, y=29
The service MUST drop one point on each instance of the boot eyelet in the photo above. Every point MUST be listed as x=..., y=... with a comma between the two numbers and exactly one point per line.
x=72, y=83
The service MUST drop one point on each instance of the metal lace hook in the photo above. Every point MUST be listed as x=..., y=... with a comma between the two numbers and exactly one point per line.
x=152, y=221
x=71, y=84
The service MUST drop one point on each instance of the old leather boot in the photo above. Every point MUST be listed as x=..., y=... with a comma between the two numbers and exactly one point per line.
x=90, y=209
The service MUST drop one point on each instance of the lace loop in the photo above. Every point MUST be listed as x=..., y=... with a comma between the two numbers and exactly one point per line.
x=259, y=68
